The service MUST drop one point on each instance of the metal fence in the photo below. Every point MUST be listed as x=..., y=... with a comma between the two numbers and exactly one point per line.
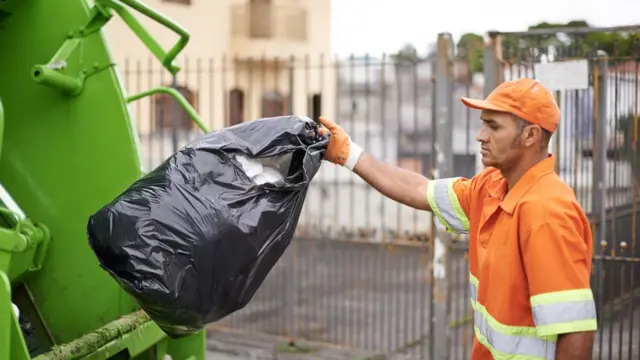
x=358, y=294
x=369, y=273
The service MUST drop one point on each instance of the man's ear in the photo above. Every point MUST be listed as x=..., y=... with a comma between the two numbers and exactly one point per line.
x=533, y=135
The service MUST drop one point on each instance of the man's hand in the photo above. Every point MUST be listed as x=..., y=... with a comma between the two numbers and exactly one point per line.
x=404, y=186
x=340, y=150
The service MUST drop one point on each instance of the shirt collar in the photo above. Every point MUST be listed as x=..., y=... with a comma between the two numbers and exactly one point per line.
x=498, y=186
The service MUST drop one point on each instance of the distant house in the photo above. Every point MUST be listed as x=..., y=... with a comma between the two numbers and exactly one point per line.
x=236, y=67
x=388, y=108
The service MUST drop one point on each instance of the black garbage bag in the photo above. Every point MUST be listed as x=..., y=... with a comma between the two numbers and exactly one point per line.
x=195, y=238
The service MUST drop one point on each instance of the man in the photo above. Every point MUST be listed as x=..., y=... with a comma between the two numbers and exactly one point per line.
x=529, y=241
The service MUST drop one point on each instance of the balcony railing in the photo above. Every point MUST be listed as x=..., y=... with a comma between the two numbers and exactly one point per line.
x=269, y=22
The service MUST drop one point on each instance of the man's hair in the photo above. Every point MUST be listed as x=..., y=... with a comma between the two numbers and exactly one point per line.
x=546, y=134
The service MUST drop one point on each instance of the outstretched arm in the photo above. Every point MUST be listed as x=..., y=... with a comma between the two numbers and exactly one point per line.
x=404, y=186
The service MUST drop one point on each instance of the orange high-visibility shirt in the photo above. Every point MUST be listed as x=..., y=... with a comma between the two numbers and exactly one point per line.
x=530, y=259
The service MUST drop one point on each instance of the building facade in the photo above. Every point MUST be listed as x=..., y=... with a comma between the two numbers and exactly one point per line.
x=246, y=59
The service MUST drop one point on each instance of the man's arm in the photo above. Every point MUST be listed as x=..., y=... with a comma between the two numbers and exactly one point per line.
x=575, y=346
x=447, y=198
x=557, y=257
x=404, y=186
x=401, y=185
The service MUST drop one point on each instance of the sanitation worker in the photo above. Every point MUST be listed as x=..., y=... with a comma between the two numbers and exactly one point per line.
x=529, y=241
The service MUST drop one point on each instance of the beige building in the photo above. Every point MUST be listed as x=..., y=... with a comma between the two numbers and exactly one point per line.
x=245, y=59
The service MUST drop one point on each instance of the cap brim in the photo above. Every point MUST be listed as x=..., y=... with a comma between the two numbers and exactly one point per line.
x=481, y=105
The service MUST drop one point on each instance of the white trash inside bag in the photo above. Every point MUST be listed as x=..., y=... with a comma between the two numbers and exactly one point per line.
x=265, y=170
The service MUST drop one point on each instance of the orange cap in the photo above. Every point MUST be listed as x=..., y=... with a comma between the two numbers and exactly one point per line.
x=526, y=98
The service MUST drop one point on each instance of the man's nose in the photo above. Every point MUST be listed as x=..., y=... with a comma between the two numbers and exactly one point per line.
x=482, y=135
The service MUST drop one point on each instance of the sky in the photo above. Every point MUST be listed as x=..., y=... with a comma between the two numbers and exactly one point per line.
x=376, y=26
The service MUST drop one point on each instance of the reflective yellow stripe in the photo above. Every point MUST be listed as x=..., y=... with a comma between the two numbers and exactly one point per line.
x=564, y=311
x=453, y=199
x=445, y=205
x=498, y=355
x=562, y=296
x=506, y=341
x=473, y=280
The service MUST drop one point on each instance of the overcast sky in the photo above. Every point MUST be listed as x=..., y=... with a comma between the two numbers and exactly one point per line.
x=374, y=26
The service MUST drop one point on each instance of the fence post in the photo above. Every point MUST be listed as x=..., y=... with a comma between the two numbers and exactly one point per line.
x=444, y=89
x=492, y=70
x=599, y=184
x=292, y=271
x=492, y=64
x=175, y=124
x=600, y=148
x=291, y=278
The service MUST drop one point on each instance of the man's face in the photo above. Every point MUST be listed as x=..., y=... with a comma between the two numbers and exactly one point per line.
x=500, y=140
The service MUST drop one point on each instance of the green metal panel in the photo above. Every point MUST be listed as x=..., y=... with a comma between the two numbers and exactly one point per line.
x=68, y=148
x=63, y=158
x=1, y=127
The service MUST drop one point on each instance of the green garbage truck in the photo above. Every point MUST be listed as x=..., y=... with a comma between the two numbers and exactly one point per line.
x=67, y=147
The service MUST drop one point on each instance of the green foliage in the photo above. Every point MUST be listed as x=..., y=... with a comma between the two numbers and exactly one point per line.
x=630, y=150
x=408, y=53
x=470, y=46
x=626, y=125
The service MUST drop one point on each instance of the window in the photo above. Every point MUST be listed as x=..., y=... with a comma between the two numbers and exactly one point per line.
x=316, y=107
x=260, y=19
x=168, y=114
x=236, y=107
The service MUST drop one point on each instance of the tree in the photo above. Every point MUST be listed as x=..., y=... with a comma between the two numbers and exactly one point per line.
x=407, y=53
x=631, y=149
x=470, y=47
x=518, y=48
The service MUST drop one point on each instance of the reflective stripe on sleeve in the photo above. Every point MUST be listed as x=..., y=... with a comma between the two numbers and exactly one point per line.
x=506, y=341
x=564, y=312
x=445, y=205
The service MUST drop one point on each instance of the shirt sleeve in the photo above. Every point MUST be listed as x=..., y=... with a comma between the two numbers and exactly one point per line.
x=450, y=200
x=557, y=260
